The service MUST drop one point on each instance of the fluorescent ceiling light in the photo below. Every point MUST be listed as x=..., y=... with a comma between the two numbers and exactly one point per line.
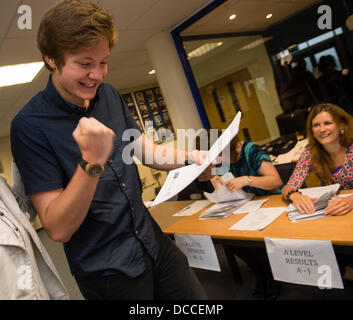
x=254, y=44
x=269, y=16
x=152, y=72
x=207, y=47
x=232, y=17
x=19, y=73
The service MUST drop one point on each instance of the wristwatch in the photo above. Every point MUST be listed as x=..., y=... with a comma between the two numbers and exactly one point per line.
x=92, y=169
x=249, y=181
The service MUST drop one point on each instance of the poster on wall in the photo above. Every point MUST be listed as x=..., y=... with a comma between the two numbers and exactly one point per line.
x=128, y=99
x=139, y=97
x=148, y=105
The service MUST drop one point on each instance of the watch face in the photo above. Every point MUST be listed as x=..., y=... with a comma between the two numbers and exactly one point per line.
x=94, y=169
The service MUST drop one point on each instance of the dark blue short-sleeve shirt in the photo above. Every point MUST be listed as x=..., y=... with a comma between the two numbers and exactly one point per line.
x=117, y=226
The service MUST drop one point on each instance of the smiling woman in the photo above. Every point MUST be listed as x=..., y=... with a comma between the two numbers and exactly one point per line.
x=330, y=156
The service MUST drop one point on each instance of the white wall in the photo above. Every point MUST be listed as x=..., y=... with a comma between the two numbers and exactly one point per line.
x=259, y=66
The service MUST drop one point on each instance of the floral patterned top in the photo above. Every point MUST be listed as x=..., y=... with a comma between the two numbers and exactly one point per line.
x=342, y=175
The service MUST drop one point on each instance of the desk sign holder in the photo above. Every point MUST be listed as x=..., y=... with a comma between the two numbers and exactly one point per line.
x=199, y=250
x=308, y=262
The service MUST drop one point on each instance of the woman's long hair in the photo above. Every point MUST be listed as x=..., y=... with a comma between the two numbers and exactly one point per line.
x=321, y=160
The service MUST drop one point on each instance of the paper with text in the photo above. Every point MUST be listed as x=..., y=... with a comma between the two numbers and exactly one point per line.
x=192, y=208
x=180, y=178
x=250, y=206
x=308, y=262
x=199, y=250
x=259, y=219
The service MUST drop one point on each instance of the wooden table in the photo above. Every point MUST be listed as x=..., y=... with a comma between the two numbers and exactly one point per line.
x=338, y=229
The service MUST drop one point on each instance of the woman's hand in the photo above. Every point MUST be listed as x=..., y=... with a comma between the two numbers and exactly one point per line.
x=235, y=184
x=216, y=180
x=303, y=203
x=339, y=206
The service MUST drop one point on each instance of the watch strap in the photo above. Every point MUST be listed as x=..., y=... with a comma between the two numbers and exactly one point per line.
x=92, y=169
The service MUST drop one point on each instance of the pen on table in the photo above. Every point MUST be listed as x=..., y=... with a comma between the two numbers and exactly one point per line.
x=184, y=209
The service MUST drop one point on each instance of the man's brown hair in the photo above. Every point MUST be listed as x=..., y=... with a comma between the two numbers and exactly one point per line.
x=71, y=25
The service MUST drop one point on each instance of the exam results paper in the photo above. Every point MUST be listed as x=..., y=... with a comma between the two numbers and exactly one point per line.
x=180, y=178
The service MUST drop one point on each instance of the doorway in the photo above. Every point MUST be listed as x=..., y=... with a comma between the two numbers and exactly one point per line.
x=224, y=97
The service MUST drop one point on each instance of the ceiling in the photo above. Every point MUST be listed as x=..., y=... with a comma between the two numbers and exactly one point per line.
x=136, y=22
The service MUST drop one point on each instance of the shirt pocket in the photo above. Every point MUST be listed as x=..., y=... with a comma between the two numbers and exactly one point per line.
x=108, y=199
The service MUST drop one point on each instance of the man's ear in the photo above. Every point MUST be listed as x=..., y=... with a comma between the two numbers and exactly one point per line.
x=50, y=62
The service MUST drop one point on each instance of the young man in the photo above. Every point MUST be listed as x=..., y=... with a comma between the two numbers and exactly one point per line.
x=67, y=142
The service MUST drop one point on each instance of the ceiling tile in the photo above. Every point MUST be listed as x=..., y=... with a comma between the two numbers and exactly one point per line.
x=127, y=12
x=165, y=16
x=8, y=14
x=19, y=50
x=39, y=7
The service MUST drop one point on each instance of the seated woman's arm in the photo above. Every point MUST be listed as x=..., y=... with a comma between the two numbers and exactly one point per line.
x=269, y=179
x=297, y=179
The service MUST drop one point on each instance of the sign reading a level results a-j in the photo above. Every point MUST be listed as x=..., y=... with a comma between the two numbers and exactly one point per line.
x=309, y=262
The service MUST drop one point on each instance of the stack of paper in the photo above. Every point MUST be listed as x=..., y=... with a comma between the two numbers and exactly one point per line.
x=324, y=194
x=222, y=210
x=217, y=213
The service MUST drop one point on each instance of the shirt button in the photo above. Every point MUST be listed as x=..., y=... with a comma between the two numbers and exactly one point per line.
x=123, y=184
x=137, y=232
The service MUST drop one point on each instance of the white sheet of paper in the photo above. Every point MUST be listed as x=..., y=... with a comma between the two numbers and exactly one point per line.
x=222, y=194
x=192, y=208
x=259, y=219
x=344, y=195
x=199, y=250
x=315, y=192
x=180, y=178
x=308, y=262
x=148, y=204
x=250, y=206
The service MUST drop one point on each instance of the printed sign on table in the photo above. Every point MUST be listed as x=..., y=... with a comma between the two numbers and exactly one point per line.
x=308, y=262
x=199, y=250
